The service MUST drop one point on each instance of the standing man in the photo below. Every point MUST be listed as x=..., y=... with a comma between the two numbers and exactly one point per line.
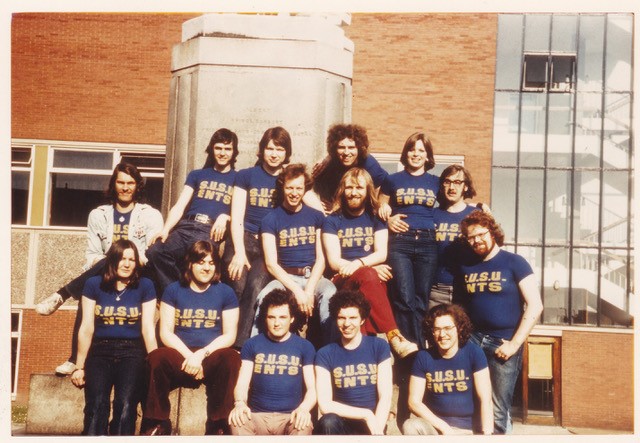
x=504, y=304
x=353, y=376
x=452, y=372
x=291, y=240
x=348, y=147
x=276, y=386
x=355, y=242
x=201, y=212
x=126, y=217
x=456, y=185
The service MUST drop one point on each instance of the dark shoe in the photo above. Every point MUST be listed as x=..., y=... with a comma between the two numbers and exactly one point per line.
x=158, y=428
x=217, y=427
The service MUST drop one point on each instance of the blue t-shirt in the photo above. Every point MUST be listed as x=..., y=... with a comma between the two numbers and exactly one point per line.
x=212, y=191
x=377, y=173
x=450, y=387
x=120, y=225
x=118, y=318
x=354, y=372
x=356, y=234
x=326, y=183
x=295, y=234
x=198, y=317
x=413, y=196
x=260, y=187
x=493, y=298
x=277, y=381
x=450, y=248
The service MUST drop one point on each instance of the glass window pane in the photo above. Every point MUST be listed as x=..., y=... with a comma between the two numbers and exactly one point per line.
x=590, y=52
x=615, y=206
x=617, y=130
x=505, y=129
x=560, y=134
x=588, y=130
x=556, y=286
x=503, y=200
x=584, y=282
x=586, y=202
x=65, y=158
x=530, y=206
x=613, y=289
x=562, y=73
x=15, y=322
x=153, y=191
x=619, y=53
x=564, y=34
x=21, y=157
x=532, y=131
x=145, y=162
x=536, y=68
x=509, y=51
x=537, y=31
x=558, y=202
x=19, y=197
x=74, y=196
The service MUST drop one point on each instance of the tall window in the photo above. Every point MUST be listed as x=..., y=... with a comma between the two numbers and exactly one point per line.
x=16, y=325
x=562, y=159
x=21, y=166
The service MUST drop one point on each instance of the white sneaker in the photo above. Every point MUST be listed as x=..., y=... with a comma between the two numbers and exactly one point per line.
x=50, y=304
x=66, y=368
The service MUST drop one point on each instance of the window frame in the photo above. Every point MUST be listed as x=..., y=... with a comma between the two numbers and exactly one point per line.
x=17, y=167
x=549, y=69
x=16, y=359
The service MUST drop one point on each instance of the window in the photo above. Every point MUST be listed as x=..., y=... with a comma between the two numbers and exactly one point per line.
x=21, y=165
x=16, y=327
x=549, y=72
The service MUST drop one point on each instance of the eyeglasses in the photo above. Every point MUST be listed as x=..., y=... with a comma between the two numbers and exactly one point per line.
x=447, y=329
x=447, y=182
x=474, y=238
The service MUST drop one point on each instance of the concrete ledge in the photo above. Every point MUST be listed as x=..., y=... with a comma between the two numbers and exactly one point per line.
x=56, y=408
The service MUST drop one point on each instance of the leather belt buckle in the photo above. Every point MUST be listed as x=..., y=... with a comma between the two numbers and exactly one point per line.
x=203, y=218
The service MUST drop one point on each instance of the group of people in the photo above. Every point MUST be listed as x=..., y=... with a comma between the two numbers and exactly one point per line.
x=276, y=286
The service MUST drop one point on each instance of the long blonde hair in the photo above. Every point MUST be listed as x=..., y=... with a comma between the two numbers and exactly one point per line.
x=355, y=174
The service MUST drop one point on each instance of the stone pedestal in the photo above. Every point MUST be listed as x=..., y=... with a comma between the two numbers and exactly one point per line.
x=252, y=72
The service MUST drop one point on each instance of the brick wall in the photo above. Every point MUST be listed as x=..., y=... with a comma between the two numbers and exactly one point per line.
x=92, y=77
x=597, y=380
x=431, y=72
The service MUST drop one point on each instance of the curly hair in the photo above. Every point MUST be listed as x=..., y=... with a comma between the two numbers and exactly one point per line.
x=468, y=181
x=486, y=220
x=280, y=297
x=460, y=319
x=349, y=299
x=357, y=133
x=411, y=143
x=355, y=174
x=113, y=257
x=291, y=172
x=225, y=136
x=132, y=171
x=197, y=252
x=280, y=137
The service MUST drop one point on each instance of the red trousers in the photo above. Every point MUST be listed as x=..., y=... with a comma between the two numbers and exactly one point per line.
x=220, y=376
x=366, y=280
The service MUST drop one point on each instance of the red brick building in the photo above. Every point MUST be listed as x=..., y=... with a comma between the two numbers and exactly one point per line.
x=99, y=83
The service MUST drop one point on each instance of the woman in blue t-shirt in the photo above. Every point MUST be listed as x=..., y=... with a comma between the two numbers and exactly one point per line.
x=116, y=333
x=407, y=201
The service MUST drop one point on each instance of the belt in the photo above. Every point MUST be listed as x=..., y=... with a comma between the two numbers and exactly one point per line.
x=201, y=218
x=302, y=272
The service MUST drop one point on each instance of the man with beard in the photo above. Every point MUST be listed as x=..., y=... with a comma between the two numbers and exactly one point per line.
x=503, y=301
x=355, y=242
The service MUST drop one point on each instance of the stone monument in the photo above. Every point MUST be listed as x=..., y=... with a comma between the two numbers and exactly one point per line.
x=249, y=72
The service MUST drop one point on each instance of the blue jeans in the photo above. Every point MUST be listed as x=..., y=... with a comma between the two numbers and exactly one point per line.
x=413, y=257
x=504, y=375
x=323, y=292
x=333, y=424
x=250, y=283
x=117, y=364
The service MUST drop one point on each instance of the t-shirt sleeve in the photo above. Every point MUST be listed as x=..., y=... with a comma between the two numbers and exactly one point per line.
x=521, y=268
x=148, y=290
x=90, y=289
x=378, y=174
x=192, y=180
x=248, y=352
x=230, y=299
x=242, y=179
x=308, y=353
x=169, y=295
x=322, y=359
x=419, y=368
x=329, y=225
x=387, y=186
x=268, y=224
x=378, y=225
x=383, y=351
x=478, y=359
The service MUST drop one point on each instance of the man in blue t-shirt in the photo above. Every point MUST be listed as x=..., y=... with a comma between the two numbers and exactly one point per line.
x=201, y=212
x=456, y=185
x=276, y=385
x=451, y=372
x=293, y=248
x=503, y=302
x=353, y=375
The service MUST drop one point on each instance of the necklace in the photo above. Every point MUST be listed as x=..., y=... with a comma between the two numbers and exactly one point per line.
x=120, y=293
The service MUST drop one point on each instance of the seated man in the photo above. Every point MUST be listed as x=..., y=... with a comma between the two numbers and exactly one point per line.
x=293, y=249
x=276, y=386
x=198, y=324
x=451, y=372
x=355, y=242
x=353, y=376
